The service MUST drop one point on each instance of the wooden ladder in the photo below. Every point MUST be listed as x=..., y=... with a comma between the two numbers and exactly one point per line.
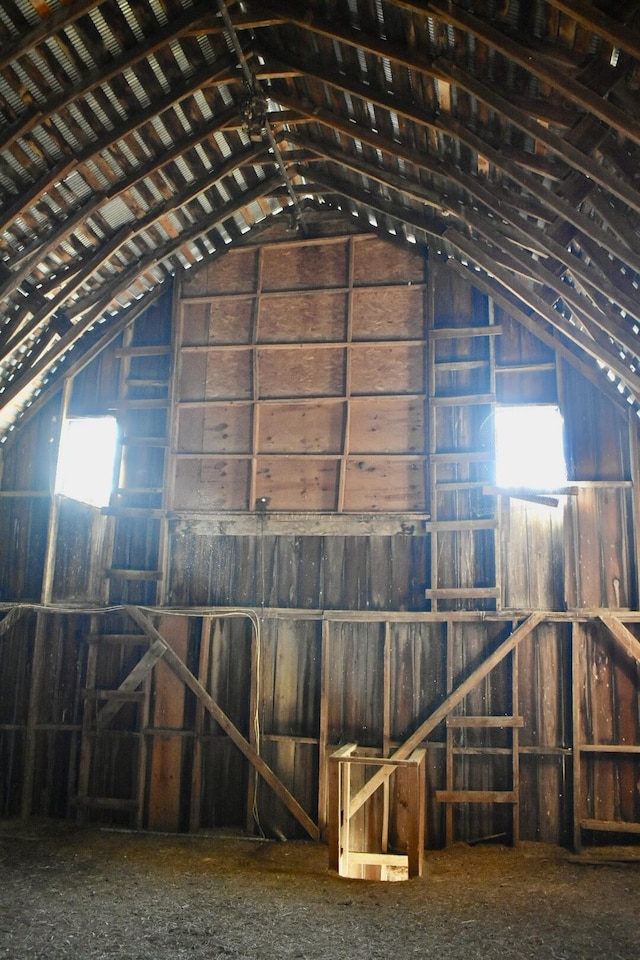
x=137, y=533
x=119, y=661
x=114, y=653
x=462, y=393
x=456, y=724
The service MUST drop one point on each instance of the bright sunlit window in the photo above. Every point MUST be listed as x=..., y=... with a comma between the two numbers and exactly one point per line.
x=86, y=459
x=530, y=447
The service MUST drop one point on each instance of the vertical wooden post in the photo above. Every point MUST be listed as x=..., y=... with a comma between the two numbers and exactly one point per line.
x=196, y=761
x=415, y=846
x=576, y=682
x=515, y=746
x=323, y=733
x=634, y=457
x=342, y=478
x=86, y=742
x=450, y=734
x=254, y=706
x=255, y=379
x=386, y=730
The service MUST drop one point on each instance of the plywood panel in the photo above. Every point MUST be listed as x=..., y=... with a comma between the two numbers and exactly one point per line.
x=305, y=265
x=301, y=428
x=384, y=484
x=208, y=376
x=396, y=314
x=303, y=317
x=219, y=321
x=235, y=272
x=222, y=428
x=301, y=373
x=215, y=484
x=297, y=484
x=387, y=368
x=378, y=262
x=387, y=425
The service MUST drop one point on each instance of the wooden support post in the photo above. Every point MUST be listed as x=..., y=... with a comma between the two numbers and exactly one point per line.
x=325, y=688
x=37, y=673
x=386, y=729
x=576, y=686
x=448, y=812
x=196, y=763
x=254, y=706
x=415, y=840
x=515, y=747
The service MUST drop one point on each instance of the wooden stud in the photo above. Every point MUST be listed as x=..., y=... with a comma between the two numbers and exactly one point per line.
x=576, y=725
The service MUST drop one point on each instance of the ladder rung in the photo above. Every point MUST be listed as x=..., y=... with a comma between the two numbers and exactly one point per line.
x=460, y=364
x=525, y=367
x=466, y=400
x=454, y=333
x=153, y=350
x=131, y=491
x=146, y=382
x=461, y=593
x=482, y=722
x=129, y=639
x=453, y=526
x=611, y=826
x=114, y=573
x=476, y=796
x=156, y=403
x=149, y=513
x=107, y=803
x=450, y=486
x=144, y=442
x=470, y=456
x=124, y=696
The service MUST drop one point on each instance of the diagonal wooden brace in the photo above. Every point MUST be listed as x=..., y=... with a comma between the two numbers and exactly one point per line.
x=622, y=635
x=183, y=673
x=11, y=619
x=446, y=707
x=133, y=680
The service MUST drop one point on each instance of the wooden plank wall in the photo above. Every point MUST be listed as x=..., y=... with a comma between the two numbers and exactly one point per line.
x=306, y=683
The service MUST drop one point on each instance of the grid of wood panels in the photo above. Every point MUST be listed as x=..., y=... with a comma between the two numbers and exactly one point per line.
x=301, y=380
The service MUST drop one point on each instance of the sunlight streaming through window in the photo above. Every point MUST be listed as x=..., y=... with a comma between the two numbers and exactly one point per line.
x=86, y=459
x=530, y=447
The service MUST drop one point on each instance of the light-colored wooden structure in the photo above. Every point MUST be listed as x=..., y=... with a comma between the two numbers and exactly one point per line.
x=410, y=791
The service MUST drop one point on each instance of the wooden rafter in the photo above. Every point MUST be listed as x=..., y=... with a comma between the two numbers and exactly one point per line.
x=525, y=57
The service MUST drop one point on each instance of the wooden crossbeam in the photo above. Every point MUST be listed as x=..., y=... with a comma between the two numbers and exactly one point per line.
x=183, y=673
x=439, y=714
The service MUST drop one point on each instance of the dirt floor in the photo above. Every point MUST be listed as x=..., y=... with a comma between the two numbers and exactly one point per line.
x=96, y=894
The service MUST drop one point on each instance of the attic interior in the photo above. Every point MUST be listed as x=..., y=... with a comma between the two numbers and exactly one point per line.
x=303, y=260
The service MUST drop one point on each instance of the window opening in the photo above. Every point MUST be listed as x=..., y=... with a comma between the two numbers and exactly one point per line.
x=86, y=459
x=530, y=447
